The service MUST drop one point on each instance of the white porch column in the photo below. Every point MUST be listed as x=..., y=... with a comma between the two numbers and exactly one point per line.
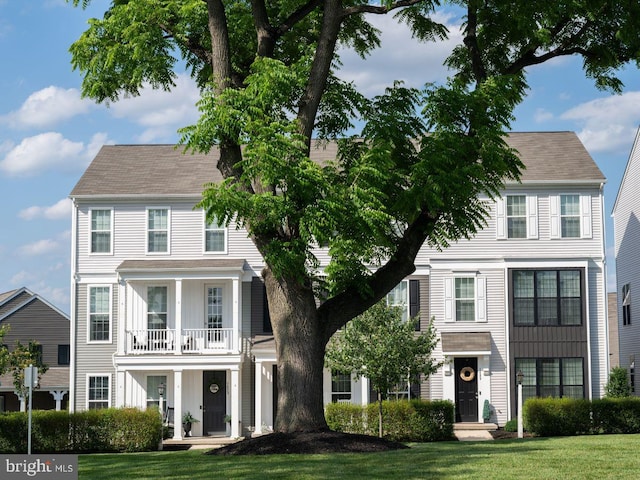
x=236, y=314
x=258, y=399
x=235, y=403
x=177, y=405
x=364, y=391
x=58, y=396
x=178, y=340
x=121, y=334
x=23, y=403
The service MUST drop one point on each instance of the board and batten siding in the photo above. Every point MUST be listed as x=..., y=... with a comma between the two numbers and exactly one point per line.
x=626, y=220
x=93, y=358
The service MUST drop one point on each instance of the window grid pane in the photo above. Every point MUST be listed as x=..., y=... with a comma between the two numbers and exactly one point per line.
x=516, y=216
x=340, y=387
x=214, y=307
x=98, y=392
x=158, y=230
x=157, y=308
x=99, y=314
x=153, y=382
x=465, y=299
x=399, y=297
x=214, y=237
x=100, y=231
x=570, y=216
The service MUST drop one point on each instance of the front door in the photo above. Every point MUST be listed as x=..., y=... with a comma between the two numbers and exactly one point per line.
x=466, y=389
x=214, y=401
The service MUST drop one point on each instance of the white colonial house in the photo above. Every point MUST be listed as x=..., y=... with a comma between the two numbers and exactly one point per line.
x=626, y=224
x=159, y=296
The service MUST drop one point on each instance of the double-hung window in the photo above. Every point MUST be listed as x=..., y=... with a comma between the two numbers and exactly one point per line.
x=101, y=231
x=157, y=300
x=465, y=298
x=551, y=377
x=340, y=387
x=153, y=396
x=399, y=297
x=98, y=392
x=99, y=313
x=626, y=304
x=570, y=216
x=547, y=297
x=215, y=237
x=516, y=216
x=158, y=230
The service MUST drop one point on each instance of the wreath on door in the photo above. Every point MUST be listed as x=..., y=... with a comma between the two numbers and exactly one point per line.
x=467, y=374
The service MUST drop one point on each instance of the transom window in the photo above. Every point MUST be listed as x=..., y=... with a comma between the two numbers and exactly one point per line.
x=626, y=304
x=99, y=314
x=551, y=377
x=157, y=308
x=465, y=299
x=98, y=393
x=214, y=237
x=547, y=297
x=158, y=230
x=399, y=297
x=570, y=216
x=340, y=387
x=153, y=397
x=516, y=216
x=101, y=231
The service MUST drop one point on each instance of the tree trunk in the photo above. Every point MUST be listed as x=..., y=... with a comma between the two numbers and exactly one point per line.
x=379, y=414
x=300, y=349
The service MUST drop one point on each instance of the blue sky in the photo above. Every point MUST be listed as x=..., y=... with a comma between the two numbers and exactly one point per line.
x=48, y=134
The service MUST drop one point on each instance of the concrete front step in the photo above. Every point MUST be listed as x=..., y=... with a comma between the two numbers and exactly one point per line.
x=475, y=426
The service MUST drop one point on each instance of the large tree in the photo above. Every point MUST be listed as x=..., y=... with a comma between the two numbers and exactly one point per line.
x=268, y=76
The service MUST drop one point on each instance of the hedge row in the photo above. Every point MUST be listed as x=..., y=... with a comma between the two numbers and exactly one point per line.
x=403, y=421
x=548, y=417
x=107, y=430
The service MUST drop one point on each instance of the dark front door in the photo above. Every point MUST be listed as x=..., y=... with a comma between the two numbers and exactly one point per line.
x=466, y=389
x=214, y=401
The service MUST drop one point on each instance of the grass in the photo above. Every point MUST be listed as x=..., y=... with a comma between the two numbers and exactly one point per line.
x=586, y=457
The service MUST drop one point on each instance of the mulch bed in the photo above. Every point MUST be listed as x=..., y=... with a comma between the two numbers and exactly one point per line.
x=325, y=441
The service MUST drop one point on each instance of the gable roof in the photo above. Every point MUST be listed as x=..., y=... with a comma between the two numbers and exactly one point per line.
x=163, y=170
x=626, y=177
x=14, y=300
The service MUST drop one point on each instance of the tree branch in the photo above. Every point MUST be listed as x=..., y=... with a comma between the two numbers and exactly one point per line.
x=378, y=10
x=471, y=42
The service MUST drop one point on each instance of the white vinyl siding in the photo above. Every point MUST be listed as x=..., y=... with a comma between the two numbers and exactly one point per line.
x=101, y=231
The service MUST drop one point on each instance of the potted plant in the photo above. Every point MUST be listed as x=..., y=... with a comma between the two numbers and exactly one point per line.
x=187, y=420
x=227, y=421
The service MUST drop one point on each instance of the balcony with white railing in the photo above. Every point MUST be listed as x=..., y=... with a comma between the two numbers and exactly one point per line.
x=191, y=341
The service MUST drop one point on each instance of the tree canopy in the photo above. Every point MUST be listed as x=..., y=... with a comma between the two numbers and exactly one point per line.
x=414, y=174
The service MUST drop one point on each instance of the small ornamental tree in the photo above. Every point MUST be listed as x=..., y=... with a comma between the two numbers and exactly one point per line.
x=383, y=347
x=20, y=358
x=618, y=385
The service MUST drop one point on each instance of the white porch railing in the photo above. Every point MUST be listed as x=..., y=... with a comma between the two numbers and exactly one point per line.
x=192, y=340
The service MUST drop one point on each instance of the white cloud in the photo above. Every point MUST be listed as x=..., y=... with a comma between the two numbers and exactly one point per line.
x=21, y=278
x=47, y=107
x=60, y=210
x=49, y=151
x=41, y=247
x=400, y=57
x=542, y=116
x=607, y=124
x=162, y=113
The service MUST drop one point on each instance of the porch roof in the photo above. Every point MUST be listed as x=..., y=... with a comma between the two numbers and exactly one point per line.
x=56, y=378
x=466, y=342
x=142, y=266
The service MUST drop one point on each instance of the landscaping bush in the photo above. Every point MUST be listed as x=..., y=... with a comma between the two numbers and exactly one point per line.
x=108, y=430
x=511, y=425
x=549, y=417
x=403, y=421
x=616, y=415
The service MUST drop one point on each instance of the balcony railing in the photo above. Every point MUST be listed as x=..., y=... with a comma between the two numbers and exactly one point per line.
x=192, y=340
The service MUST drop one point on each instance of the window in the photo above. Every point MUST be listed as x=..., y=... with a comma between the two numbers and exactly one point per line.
x=547, y=297
x=214, y=307
x=465, y=299
x=516, y=216
x=570, y=216
x=626, y=304
x=340, y=387
x=153, y=398
x=158, y=230
x=101, y=226
x=551, y=377
x=64, y=354
x=38, y=352
x=214, y=237
x=157, y=308
x=98, y=392
x=399, y=297
x=99, y=314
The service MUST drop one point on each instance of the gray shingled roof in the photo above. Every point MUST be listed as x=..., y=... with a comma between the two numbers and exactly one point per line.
x=200, y=264
x=147, y=170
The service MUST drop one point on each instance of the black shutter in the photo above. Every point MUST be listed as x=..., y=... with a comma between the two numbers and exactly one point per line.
x=266, y=318
x=414, y=300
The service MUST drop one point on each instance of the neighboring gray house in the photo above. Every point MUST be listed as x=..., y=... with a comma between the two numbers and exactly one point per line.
x=31, y=317
x=161, y=297
x=626, y=212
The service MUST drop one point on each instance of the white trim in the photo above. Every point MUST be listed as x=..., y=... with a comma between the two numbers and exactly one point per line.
x=111, y=232
x=88, y=317
x=146, y=230
x=95, y=375
x=74, y=314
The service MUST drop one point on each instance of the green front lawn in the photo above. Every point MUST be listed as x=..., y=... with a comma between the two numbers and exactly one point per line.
x=588, y=457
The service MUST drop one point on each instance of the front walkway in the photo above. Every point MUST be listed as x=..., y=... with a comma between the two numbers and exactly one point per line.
x=193, y=443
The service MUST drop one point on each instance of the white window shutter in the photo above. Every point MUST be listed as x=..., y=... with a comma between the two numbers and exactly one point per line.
x=554, y=216
x=585, y=214
x=481, y=299
x=501, y=219
x=532, y=216
x=448, y=300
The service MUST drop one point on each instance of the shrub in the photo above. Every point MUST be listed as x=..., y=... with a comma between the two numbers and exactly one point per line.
x=548, y=417
x=618, y=385
x=616, y=415
x=511, y=425
x=403, y=421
